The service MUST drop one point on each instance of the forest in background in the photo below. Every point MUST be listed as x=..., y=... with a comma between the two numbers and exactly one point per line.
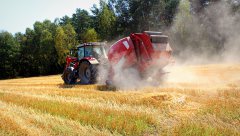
x=191, y=25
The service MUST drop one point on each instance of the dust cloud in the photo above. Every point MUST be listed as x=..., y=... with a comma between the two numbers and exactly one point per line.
x=210, y=36
x=204, y=44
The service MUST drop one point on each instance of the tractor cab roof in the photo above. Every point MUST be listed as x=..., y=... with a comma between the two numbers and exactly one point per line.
x=91, y=44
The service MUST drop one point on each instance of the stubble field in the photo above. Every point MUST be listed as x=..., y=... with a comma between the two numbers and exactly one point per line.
x=193, y=100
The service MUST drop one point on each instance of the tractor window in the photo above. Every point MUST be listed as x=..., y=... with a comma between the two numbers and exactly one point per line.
x=80, y=53
x=93, y=51
x=97, y=50
x=88, y=51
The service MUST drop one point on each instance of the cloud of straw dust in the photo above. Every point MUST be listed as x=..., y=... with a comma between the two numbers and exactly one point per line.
x=209, y=37
x=204, y=44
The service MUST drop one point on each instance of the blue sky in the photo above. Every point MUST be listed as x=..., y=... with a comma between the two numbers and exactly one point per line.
x=17, y=15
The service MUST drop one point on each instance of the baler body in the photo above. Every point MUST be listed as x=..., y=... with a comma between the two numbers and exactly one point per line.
x=142, y=51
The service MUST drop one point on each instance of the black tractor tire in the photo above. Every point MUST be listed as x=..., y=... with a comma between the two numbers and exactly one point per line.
x=87, y=73
x=68, y=76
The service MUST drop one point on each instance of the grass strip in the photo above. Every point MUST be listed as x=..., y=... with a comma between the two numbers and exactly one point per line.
x=126, y=123
x=187, y=128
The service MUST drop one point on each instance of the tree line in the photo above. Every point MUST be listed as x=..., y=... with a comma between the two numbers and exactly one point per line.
x=43, y=49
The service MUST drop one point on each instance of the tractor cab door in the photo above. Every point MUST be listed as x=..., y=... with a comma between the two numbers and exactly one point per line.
x=80, y=53
x=88, y=51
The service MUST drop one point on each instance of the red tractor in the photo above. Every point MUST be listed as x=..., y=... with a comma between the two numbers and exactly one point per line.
x=84, y=62
x=145, y=52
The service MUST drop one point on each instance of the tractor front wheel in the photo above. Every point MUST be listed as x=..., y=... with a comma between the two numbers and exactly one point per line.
x=87, y=73
x=68, y=76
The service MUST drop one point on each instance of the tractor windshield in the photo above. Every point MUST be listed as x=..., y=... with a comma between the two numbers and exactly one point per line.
x=97, y=51
x=94, y=51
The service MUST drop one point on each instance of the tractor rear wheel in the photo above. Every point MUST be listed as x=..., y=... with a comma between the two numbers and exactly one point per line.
x=87, y=73
x=68, y=76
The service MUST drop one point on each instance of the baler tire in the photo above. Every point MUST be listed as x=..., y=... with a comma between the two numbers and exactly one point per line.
x=87, y=73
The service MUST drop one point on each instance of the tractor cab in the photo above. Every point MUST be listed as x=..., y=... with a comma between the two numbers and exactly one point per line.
x=93, y=50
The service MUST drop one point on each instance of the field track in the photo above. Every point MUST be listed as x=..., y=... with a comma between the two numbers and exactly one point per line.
x=193, y=100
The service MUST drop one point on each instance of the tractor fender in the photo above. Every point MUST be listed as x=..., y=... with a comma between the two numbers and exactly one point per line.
x=94, y=62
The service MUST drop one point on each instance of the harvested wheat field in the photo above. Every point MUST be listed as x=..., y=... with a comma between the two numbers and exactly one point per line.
x=193, y=100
